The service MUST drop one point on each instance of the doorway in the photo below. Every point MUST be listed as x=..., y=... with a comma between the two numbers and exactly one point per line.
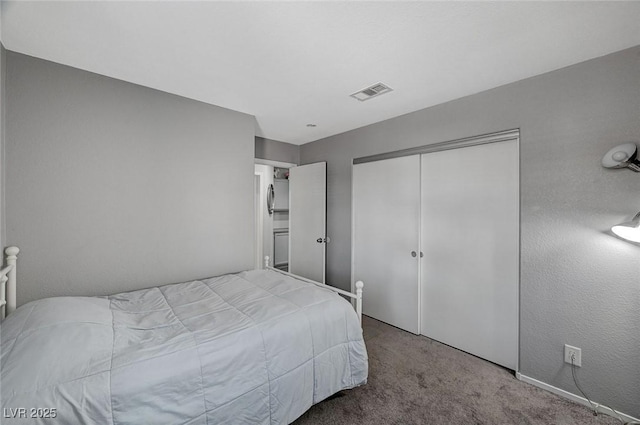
x=290, y=203
x=271, y=213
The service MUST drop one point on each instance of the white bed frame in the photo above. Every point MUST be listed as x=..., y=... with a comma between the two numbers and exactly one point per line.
x=357, y=296
x=8, y=282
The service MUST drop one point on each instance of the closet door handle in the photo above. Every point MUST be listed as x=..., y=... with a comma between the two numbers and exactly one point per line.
x=413, y=254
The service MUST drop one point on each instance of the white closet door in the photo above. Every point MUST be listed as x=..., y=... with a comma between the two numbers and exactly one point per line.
x=307, y=220
x=386, y=219
x=470, y=240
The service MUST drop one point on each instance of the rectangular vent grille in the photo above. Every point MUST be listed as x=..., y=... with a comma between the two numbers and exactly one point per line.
x=371, y=92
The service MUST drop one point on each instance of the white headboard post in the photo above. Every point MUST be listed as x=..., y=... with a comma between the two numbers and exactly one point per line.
x=12, y=257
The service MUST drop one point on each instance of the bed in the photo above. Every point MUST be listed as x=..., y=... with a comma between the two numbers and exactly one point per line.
x=256, y=347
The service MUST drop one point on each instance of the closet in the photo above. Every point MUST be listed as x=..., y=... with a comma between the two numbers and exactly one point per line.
x=436, y=241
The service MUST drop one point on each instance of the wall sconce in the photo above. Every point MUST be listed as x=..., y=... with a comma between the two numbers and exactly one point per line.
x=629, y=230
x=625, y=156
x=622, y=156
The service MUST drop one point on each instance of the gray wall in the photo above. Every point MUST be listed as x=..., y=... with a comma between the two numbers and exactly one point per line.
x=276, y=151
x=112, y=186
x=3, y=73
x=579, y=285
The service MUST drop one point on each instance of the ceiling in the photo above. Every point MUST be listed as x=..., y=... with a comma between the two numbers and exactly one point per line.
x=295, y=63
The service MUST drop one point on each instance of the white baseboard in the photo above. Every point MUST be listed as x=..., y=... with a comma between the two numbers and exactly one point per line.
x=578, y=399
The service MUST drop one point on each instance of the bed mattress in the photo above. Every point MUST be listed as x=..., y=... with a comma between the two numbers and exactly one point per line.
x=256, y=347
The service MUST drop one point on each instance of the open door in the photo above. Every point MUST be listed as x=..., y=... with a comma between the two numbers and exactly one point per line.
x=307, y=220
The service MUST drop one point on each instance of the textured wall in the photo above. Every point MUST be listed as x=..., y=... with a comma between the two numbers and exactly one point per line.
x=277, y=151
x=579, y=285
x=112, y=186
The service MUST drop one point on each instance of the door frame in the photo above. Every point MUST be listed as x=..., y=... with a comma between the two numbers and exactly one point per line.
x=278, y=164
x=258, y=236
x=258, y=201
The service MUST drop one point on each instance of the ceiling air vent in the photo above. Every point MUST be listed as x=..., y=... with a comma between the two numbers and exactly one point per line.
x=371, y=92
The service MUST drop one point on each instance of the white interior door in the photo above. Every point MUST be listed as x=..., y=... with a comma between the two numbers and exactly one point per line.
x=307, y=220
x=386, y=219
x=470, y=240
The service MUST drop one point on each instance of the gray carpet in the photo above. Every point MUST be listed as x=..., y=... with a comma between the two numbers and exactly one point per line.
x=415, y=380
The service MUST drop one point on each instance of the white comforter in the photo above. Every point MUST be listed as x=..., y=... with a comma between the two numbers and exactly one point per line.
x=249, y=348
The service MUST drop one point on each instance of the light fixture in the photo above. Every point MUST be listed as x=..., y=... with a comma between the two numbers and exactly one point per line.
x=625, y=155
x=629, y=230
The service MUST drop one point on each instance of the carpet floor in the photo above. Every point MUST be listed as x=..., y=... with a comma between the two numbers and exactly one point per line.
x=415, y=380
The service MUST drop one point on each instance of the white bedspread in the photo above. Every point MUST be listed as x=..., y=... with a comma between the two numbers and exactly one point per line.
x=250, y=348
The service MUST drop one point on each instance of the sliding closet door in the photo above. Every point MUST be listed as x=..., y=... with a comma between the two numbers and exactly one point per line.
x=386, y=219
x=470, y=239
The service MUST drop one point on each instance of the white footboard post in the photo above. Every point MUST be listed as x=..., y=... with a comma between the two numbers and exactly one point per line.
x=3, y=296
x=12, y=256
x=266, y=261
x=359, y=286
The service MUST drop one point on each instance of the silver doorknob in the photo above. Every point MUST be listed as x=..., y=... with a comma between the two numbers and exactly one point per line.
x=413, y=254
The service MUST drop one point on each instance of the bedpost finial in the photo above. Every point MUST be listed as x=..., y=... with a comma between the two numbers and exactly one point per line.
x=266, y=261
x=10, y=294
x=359, y=286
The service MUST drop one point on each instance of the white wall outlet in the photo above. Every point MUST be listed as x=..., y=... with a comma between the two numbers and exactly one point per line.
x=576, y=352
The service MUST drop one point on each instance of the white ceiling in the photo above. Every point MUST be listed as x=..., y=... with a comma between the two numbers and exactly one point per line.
x=294, y=63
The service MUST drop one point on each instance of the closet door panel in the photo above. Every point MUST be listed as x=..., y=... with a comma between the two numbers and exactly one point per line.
x=470, y=240
x=386, y=220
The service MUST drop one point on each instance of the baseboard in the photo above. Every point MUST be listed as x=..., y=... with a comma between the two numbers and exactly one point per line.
x=570, y=396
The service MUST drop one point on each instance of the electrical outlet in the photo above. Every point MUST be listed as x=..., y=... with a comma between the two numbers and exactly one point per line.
x=575, y=352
